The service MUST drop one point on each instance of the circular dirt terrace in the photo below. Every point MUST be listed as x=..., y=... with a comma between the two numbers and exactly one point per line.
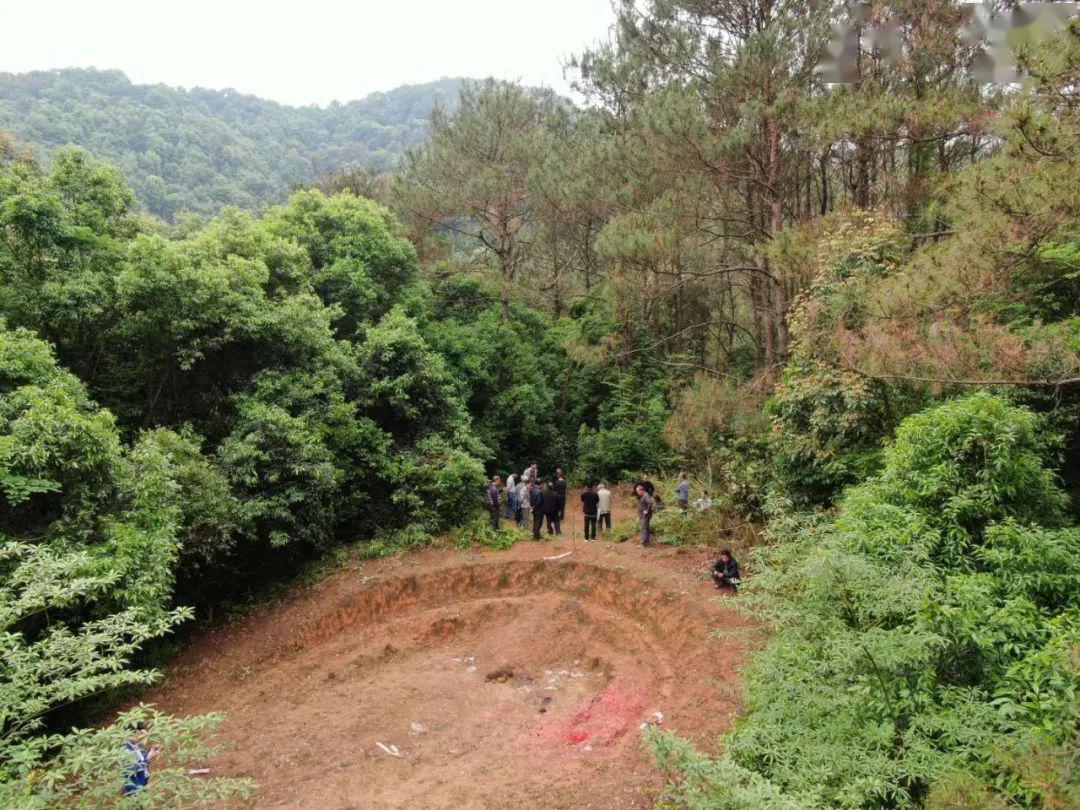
x=478, y=680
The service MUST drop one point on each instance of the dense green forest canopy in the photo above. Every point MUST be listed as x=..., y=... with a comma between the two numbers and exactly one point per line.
x=200, y=150
x=851, y=311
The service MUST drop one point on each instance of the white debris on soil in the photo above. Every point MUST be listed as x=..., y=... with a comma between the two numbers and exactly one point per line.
x=392, y=750
x=655, y=719
x=417, y=728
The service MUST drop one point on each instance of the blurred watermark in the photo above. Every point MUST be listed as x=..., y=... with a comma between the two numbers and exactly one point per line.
x=996, y=35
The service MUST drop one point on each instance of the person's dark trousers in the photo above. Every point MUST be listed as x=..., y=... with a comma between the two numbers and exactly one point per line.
x=590, y=527
x=562, y=510
x=682, y=504
x=646, y=537
x=605, y=521
x=554, y=525
x=494, y=516
x=723, y=582
x=538, y=521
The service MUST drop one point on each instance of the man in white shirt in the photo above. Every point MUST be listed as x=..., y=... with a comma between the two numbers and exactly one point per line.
x=511, y=497
x=531, y=474
x=704, y=502
x=603, y=508
x=524, y=508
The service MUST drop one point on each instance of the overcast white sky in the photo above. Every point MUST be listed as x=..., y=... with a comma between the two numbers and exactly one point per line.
x=302, y=51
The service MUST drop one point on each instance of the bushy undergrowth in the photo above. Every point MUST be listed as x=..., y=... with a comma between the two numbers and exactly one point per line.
x=87, y=767
x=715, y=527
x=479, y=531
x=925, y=638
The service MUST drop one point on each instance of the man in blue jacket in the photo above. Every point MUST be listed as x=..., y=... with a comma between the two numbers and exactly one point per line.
x=137, y=770
x=682, y=492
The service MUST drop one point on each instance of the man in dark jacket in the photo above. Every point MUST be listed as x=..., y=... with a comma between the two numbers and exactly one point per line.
x=725, y=571
x=645, y=513
x=550, y=506
x=589, y=503
x=493, y=501
x=536, y=503
x=559, y=485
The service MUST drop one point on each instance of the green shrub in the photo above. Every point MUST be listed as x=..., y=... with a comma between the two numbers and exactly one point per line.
x=828, y=428
x=85, y=767
x=930, y=625
x=88, y=545
x=716, y=527
x=479, y=531
x=630, y=436
x=388, y=542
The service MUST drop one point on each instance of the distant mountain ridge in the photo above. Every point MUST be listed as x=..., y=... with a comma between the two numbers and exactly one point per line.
x=200, y=150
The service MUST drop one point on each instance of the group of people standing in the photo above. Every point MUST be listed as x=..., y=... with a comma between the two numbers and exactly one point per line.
x=526, y=500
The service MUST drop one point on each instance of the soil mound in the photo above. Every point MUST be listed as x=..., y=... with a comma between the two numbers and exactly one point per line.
x=490, y=681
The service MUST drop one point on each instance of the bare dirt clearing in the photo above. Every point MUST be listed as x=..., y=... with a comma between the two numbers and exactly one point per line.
x=470, y=680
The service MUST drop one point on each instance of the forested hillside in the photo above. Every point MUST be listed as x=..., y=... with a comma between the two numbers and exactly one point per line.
x=200, y=150
x=850, y=311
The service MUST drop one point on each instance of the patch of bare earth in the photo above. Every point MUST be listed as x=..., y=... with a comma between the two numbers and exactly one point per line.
x=480, y=680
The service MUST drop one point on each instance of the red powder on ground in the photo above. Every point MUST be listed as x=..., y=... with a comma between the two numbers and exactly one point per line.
x=605, y=718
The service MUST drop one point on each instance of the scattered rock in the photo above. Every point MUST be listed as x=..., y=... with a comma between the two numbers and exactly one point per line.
x=655, y=719
x=500, y=675
x=544, y=701
x=417, y=728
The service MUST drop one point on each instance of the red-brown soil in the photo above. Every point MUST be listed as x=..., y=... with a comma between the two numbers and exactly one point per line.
x=501, y=679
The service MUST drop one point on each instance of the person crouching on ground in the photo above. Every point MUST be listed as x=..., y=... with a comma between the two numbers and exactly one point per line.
x=137, y=757
x=589, y=503
x=493, y=501
x=725, y=571
x=603, y=507
x=645, y=513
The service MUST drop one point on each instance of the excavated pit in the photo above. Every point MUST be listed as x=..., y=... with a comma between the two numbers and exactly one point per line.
x=512, y=683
